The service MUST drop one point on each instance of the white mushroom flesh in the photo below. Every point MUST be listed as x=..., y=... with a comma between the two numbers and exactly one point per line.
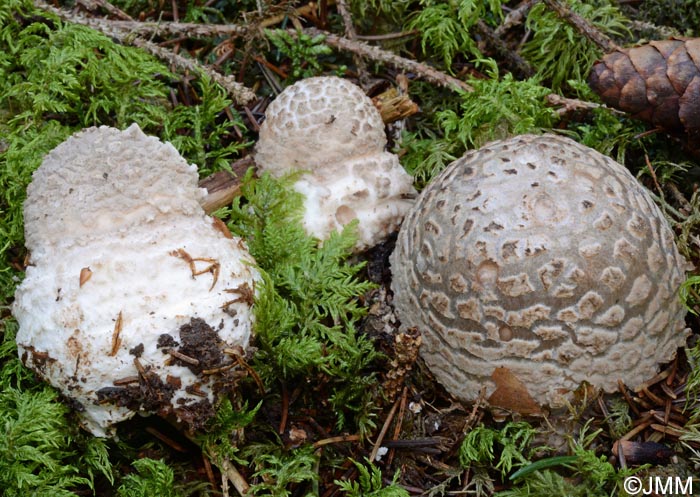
x=542, y=256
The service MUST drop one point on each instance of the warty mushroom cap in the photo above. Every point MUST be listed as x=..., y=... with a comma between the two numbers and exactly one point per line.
x=127, y=276
x=544, y=257
x=318, y=121
x=328, y=128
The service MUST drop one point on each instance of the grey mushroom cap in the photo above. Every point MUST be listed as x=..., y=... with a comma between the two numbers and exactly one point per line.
x=544, y=257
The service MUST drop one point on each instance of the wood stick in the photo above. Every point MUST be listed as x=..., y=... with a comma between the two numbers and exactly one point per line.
x=515, y=17
x=222, y=187
x=188, y=29
x=111, y=9
x=351, y=34
x=382, y=432
x=421, y=70
x=234, y=477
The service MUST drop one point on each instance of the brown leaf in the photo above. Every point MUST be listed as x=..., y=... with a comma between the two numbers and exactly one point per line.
x=512, y=394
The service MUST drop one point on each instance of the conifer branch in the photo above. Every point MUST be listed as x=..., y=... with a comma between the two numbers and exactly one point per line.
x=351, y=34
x=512, y=58
x=188, y=29
x=582, y=25
x=421, y=70
x=111, y=9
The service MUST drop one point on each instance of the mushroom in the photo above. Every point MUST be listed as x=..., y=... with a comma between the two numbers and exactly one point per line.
x=134, y=301
x=535, y=264
x=328, y=128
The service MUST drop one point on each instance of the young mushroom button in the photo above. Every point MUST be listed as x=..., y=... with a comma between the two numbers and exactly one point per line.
x=541, y=258
x=134, y=301
x=329, y=129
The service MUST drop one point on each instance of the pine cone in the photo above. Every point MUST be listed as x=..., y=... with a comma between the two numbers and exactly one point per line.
x=658, y=83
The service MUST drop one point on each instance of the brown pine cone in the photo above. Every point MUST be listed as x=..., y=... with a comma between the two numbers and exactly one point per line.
x=658, y=83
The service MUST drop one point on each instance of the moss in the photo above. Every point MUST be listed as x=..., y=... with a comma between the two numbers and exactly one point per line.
x=93, y=81
x=683, y=15
x=557, y=51
x=312, y=351
x=42, y=451
x=308, y=309
x=446, y=27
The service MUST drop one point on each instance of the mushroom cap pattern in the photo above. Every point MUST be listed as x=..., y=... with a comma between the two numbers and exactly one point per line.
x=544, y=257
x=328, y=128
x=132, y=295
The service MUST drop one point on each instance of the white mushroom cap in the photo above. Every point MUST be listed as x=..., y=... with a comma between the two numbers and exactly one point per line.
x=541, y=256
x=117, y=239
x=329, y=128
x=316, y=122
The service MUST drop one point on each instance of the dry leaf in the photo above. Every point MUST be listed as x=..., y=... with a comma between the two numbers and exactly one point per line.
x=511, y=394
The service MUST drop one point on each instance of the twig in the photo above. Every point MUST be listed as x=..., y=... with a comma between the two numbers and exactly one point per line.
x=382, y=433
x=299, y=12
x=512, y=59
x=234, y=477
x=397, y=427
x=116, y=338
x=335, y=440
x=166, y=440
x=653, y=177
x=285, y=410
x=660, y=31
x=239, y=92
x=351, y=34
x=569, y=105
x=387, y=36
x=514, y=17
x=377, y=54
x=189, y=29
x=344, y=12
x=111, y=9
x=676, y=193
x=582, y=26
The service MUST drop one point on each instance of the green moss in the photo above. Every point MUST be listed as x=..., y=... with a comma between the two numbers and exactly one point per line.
x=446, y=28
x=307, y=309
x=42, y=451
x=92, y=81
x=684, y=15
x=582, y=473
x=370, y=483
x=560, y=53
x=280, y=470
x=155, y=477
x=302, y=50
x=496, y=109
x=501, y=449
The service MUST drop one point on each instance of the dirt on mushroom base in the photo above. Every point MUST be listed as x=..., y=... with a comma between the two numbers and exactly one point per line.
x=201, y=352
